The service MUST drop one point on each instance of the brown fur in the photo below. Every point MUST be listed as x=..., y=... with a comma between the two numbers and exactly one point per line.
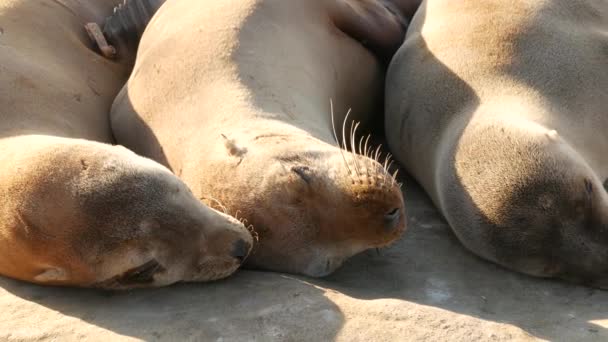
x=497, y=108
x=78, y=212
x=234, y=96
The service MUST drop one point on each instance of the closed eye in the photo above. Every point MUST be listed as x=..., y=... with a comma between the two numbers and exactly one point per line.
x=392, y=218
x=304, y=172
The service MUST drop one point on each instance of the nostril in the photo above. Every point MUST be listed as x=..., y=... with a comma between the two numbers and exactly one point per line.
x=391, y=219
x=240, y=250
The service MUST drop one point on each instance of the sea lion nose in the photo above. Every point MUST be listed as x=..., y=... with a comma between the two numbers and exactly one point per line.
x=240, y=249
x=392, y=218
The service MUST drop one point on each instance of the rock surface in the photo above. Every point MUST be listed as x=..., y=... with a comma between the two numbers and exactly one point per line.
x=425, y=287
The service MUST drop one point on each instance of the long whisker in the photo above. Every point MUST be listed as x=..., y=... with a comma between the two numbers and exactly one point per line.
x=377, y=155
x=344, y=134
x=220, y=205
x=350, y=136
x=365, y=146
x=388, y=170
x=333, y=126
x=344, y=130
x=353, y=147
x=254, y=233
x=350, y=140
x=362, y=152
x=361, y=145
x=386, y=164
x=395, y=175
x=369, y=152
x=388, y=158
x=358, y=160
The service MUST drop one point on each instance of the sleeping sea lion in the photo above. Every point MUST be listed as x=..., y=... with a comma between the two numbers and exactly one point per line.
x=77, y=211
x=498, y=109
x=234, y=96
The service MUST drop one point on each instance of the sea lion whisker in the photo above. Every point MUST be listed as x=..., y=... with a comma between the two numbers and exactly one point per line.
x=352, y=150
x=344, y=137
x=386, y=160
x=350, y=136
x=388, y=172
x=361, y=145
x=354, y=137
x=353, y=146
x=251, y=230
x=386, y=166
x=221, y=206
x=365, y=146
x=344, y=130
x=369, y=152
x=395, y=176
x=254, y=233
x=377, y=154
x=333, y=126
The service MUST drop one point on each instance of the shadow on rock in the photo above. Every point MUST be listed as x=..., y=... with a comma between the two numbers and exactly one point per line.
x=247, y=306
x=429, y=266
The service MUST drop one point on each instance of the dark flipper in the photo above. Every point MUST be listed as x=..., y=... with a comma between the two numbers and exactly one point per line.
x=123, y=29
x=129, y=20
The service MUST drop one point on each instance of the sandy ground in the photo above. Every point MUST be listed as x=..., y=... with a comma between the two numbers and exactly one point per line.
x=425, y=287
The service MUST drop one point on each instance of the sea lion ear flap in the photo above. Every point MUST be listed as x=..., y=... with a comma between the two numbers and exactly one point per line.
x=377, y=24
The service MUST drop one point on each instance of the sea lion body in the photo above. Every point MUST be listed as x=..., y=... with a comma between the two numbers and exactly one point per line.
x=77, y=211
x=502, y=120
x=234, y=97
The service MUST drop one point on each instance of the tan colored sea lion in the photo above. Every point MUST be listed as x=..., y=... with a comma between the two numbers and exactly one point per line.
x=499, y=109
x=234, y=96
x=82, y=213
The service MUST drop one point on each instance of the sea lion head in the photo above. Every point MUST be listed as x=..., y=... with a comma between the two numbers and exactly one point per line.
x=313, y=204
x=149, y=227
